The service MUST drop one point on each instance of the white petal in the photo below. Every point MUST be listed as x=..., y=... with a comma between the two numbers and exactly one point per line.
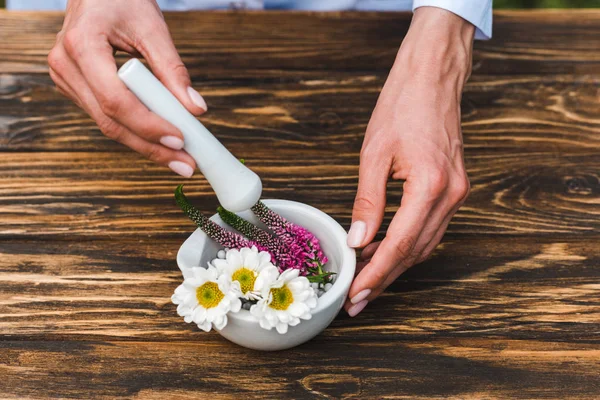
x=183, y=310
x=236, y=305
x=205, y=326
x=190, y=300
x=296, y=309
x=249, y=258
x=220, y=322
x=179, y=295
x=199, y=315
x=187, y=273
x=224, y=283
x=252, y=295
x=256, y=311
x=264, y=259
x=180, y=289
x=200, y=274
x=312, y=301
x=212, y=273
x=282, y=328
x=296, y=285
x=234, y=259
x=302, y=295
x=235, y=288
x=289, y=274
x=270, y=316
x=191, y=284
x=283, y=316
x=221, y=265
x=266, y=278
x=306, y=316
x=294, y=322
x=175, y=299
x=265, y=325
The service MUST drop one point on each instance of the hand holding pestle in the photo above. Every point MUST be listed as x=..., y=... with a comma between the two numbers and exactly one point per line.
x=237, y=187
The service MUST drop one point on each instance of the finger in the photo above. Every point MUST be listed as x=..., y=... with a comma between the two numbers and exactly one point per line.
x=369, y=204
x=369, y=250
x=426, y=243
x=398, y=247
x=360, y=266
x=179, y=161
x=96, y=64
x=457, y=196
x=63, y=87
x=437, y=237
x=160, y=52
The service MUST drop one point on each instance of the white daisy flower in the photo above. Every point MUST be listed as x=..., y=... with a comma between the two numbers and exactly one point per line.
x=243, y=266
x=286, y=299
x=205, y=297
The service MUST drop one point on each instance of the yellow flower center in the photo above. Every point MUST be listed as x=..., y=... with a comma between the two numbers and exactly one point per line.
x=246, y=279
x=282, y=298
x=209, y=295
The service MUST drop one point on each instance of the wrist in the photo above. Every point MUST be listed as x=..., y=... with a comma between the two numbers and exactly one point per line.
x=438, y=44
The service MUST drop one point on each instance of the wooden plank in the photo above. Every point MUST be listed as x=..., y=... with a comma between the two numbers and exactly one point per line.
x=501, y=287
x=349, y=369
x=51, y=195
x=323, y=111
x=503, y=318
x=342, y=41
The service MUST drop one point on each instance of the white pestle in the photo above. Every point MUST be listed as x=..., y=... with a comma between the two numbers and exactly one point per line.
x=236, y=186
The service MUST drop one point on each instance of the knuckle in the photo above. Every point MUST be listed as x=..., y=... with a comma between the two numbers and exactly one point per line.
x=154, y=153
x=110, y=105
x=71, y=41
x=461, y=189
x=437, y=182
x=367, y=152
x=363, y=202
x=379, y=276
x=55, y=59
x=179, y=69
x=110, y=129
x=403, y=247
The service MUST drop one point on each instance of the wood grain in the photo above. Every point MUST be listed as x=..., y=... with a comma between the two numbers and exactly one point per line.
x=508, y=306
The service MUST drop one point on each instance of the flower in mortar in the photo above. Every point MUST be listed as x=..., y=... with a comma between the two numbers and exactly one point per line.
x=243, y=267
x=302, y=243
x=205, y=297
x=286, y=298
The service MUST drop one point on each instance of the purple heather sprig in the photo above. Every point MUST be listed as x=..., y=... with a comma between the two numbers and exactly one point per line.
x=291, y=233
x=287, y=255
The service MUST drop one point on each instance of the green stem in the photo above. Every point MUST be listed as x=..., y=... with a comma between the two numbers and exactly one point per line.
x=246, y=228
x=214, y=231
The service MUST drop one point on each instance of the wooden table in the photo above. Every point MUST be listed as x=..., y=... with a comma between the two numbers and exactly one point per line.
x=509, y=305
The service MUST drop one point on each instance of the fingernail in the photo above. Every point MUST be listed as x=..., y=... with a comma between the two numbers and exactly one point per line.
x=363, y=294
x=181, y=168
x=355, y=309
x=357, y=232
x=197, y=99
x=172, y=142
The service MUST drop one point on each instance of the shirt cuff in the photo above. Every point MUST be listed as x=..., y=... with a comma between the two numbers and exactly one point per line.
x=477, y=12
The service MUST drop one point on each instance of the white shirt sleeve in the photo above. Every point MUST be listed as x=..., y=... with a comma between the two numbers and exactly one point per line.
x=477, y=12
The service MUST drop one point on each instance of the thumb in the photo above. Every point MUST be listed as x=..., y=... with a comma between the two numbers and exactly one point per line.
x=161, y=54
x=369, y=204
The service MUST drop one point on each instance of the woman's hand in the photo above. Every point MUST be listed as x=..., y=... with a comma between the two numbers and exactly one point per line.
x=414, y=134
x=83, y=67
